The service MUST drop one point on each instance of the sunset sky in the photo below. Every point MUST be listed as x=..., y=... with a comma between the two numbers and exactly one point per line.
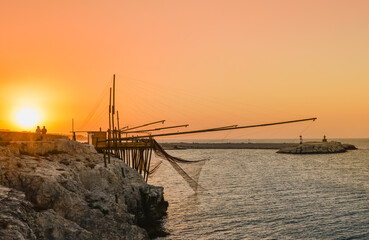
x=205, y=63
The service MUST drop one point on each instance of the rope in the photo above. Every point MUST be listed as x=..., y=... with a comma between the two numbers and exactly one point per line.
x=308, y=126
x=97, y=105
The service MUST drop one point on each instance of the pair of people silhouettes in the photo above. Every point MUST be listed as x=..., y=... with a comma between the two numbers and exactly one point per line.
x=39, y=131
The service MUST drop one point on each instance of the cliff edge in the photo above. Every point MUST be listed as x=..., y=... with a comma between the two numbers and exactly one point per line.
x=60, y=189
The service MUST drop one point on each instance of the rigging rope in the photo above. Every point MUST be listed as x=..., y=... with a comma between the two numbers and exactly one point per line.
x=97, y=105
x=308, y=126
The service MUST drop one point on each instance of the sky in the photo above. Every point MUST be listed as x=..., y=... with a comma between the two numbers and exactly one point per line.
x=206, y=63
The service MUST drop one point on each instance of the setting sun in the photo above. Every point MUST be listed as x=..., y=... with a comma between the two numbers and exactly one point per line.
x=27, y=117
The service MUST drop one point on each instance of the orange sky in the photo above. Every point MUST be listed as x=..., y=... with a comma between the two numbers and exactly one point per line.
x=206, y=63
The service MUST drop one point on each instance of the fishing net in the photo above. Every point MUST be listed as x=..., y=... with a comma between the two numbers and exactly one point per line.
x=189, y=170
x=155, y=168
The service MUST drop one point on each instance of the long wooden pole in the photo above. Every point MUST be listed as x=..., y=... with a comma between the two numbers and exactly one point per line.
x=119, y=133
x=110, y=111
x=109, y=130
x=118, y=119
x=157, y=129
x=225, y=128
x=113, y=108
x=144, y=125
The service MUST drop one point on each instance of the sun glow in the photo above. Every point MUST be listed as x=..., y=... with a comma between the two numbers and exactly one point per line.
x=27, y=117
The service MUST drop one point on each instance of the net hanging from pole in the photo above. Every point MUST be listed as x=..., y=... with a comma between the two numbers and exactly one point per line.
x=189, y=170
x=155, y=168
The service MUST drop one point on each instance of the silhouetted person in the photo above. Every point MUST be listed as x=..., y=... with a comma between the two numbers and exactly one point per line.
x=44, y=131
x=38, y=130
x=300, y=139
x=324, y=139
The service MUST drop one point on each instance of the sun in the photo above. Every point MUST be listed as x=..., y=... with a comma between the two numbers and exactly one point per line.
x=27, y=117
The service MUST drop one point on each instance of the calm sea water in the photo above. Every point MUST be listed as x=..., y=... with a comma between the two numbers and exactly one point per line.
x=258, y=194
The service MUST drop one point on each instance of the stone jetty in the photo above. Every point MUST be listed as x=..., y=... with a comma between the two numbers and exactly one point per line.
x=318, y=148
x=292, y=148
x=60, y=189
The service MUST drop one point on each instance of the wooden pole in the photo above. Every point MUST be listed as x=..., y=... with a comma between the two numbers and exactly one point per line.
x=158, y=129
x=105, y=158
x=141, y=160
x=112, y=114
x=109, y=130
x=110, y=111
x=119, y=133
x=148, y=166
x=144, y=125
x=146, y=162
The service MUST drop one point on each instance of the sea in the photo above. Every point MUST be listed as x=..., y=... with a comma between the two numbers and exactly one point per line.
x=259, y=194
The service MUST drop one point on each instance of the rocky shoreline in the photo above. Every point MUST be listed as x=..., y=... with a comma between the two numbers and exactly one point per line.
x=60, y=189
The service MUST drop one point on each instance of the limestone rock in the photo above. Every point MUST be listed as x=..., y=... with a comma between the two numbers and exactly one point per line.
x=19, y=220
x=69, y=194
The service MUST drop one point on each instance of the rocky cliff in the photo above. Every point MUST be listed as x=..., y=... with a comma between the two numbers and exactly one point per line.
x=60, y=189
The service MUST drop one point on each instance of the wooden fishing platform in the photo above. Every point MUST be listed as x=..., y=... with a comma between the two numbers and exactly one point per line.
x=124, y=145
x=135, y=149
x=136, y=153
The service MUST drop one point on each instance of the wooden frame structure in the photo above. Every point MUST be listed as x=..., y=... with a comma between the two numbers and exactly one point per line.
x=136, y=151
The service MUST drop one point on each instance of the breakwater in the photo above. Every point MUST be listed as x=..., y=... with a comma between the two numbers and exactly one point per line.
x=183, y=145
x=318, y=147
x=290, y=148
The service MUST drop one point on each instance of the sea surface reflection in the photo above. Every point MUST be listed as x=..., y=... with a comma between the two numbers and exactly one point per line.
x=259, y=194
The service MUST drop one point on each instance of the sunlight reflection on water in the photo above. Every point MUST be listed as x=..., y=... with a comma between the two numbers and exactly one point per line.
x=258, y=194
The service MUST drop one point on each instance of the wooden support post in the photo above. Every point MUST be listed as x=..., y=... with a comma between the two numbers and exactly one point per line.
x=105, y=158
x=141, y=160
x=146, y=155
x=144, y=162
x=109, y=149
x=130, y=158
x=136, y=158
x=133, y=158
x=127, y=157
x=148, y=167
x=123, y=155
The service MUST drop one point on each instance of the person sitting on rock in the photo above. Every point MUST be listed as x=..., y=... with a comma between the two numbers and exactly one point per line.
x=44, y=131
x=38, y=130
